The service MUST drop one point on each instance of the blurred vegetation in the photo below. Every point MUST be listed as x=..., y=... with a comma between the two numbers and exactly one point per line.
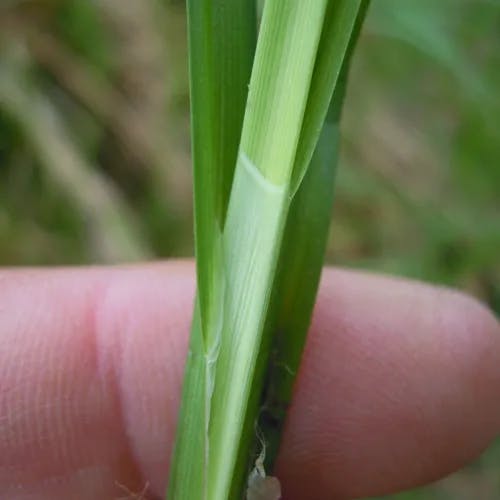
x=94, y=147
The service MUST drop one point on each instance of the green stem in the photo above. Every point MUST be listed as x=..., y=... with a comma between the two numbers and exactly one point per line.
x=238, y=253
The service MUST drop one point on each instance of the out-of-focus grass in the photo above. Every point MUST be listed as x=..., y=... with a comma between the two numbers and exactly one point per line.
x=420, y=193
x=418, y=190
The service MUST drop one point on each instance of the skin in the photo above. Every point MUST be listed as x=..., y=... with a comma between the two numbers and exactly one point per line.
x=399, y=384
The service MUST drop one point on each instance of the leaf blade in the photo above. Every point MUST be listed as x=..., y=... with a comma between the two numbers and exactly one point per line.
x=221, y=46
x=222, y=37
x=301, y=261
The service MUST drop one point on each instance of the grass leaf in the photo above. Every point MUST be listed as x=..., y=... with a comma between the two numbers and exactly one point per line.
x=222, y=41
x=221, y=45
x=290, y=90
x=300, y=263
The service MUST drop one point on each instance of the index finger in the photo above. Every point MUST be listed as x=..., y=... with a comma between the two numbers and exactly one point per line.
x=91, y=367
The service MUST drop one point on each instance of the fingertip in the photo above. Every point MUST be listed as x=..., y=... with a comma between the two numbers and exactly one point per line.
x=399, y=386
x=473, y=334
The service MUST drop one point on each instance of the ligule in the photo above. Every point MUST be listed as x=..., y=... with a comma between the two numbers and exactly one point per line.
x=301, y=51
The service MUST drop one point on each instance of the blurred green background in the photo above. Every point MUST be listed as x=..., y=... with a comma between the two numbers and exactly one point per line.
x=95, y=161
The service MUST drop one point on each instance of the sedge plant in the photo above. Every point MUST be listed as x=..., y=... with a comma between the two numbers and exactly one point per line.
x=265, y=112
